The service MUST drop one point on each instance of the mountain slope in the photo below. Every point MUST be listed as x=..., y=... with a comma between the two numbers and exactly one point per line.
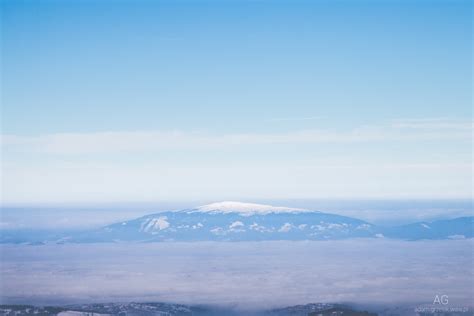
x=233, y=221
x=236, y=221
x=458, y=228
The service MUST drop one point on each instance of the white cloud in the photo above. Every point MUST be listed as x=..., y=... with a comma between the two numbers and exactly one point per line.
x=302, y=118
x=434, y=124
x=108, y=182
x=157, y=166
x=149, y=141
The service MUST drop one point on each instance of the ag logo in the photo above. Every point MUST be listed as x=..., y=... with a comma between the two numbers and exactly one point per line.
x=441, y=299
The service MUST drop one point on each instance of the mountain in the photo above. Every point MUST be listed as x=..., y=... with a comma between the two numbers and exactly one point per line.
x=31, y=236
x=236, y=221
x=233, y=221
x=458, y=228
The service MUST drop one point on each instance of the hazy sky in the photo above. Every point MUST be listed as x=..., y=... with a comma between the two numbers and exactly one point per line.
x=169, y=100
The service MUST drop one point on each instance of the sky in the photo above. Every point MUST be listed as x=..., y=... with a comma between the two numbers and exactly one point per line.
x=119, y=101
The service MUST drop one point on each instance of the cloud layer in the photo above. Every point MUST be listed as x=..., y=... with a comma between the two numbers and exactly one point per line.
x=258, y=274
x=139, y=141
x=400, y=159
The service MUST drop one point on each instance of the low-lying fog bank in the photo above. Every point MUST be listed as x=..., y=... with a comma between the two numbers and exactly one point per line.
x=244, y=274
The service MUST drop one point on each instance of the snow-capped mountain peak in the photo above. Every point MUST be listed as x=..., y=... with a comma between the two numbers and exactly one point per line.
x=237, y=221
x=245, y=208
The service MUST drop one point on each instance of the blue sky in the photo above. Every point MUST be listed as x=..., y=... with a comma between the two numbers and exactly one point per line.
x=159, y=100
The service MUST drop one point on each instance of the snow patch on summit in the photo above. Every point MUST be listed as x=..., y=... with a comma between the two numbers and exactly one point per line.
x=246, y=209
x=285, y=228
x=236, y=224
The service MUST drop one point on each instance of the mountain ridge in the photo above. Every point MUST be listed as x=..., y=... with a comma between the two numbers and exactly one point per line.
x=238, y=221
